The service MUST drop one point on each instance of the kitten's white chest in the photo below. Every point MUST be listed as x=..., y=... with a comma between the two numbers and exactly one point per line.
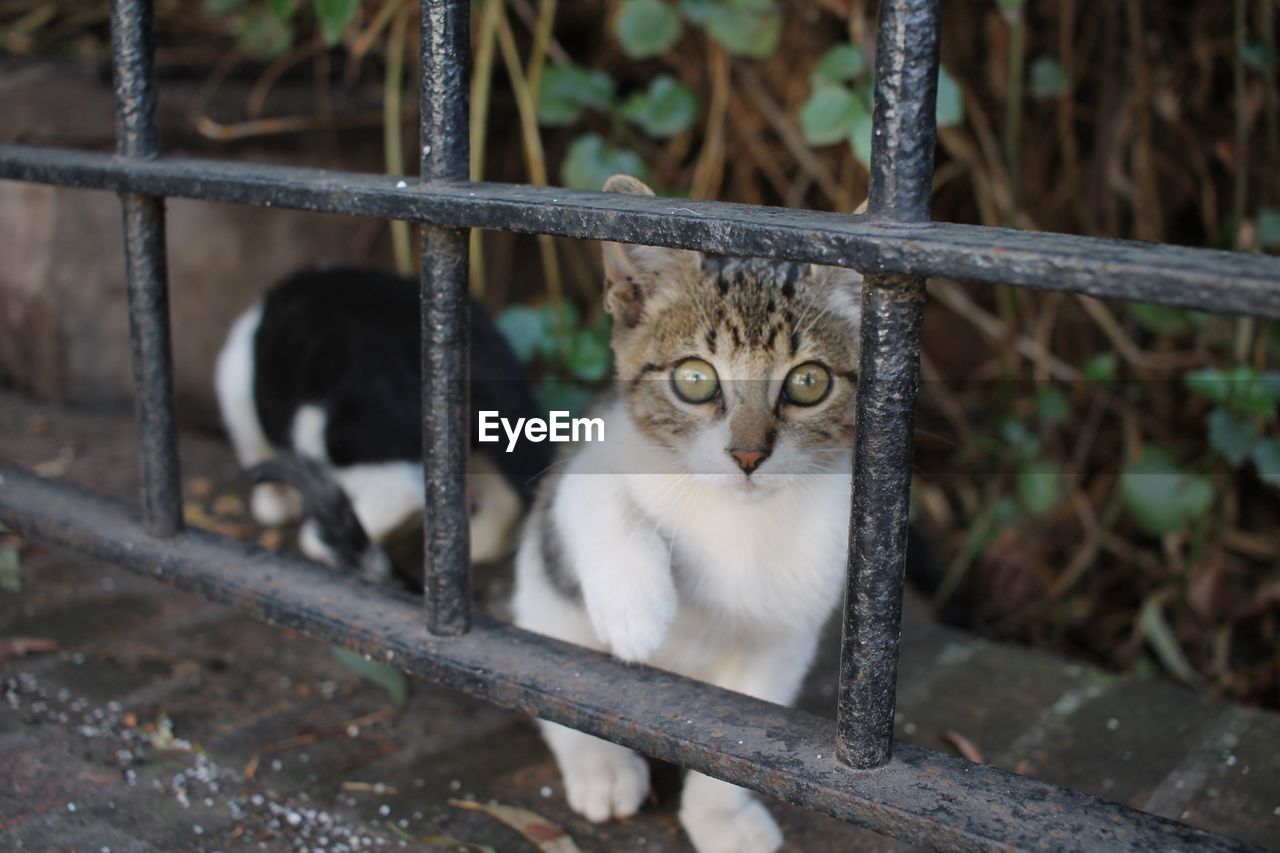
x=776, y=563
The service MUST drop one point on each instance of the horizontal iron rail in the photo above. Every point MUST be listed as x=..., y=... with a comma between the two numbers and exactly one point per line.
x=920, y=796
x=1204, y=279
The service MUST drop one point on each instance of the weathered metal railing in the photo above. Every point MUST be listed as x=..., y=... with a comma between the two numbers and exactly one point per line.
x=851, y=770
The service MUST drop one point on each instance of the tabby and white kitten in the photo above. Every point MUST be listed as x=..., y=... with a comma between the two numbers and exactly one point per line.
x=319, y=387
x=707, y=536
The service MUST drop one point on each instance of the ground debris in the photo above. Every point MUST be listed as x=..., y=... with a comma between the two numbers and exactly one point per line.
x=549, y=837
x=965, y=747
x=17, y=647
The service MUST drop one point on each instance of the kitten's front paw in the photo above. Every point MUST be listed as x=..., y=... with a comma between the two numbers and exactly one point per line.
x=749, y=828
x=634, y=633
x=603, y=780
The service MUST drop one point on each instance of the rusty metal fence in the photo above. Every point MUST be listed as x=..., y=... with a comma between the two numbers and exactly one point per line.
x=852, y=769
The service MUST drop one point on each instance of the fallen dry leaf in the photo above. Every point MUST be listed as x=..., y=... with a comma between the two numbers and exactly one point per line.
x=549, y=837
x=228, y=506
x=52, y=469
x=196, y=516
x=370, y=788
x=19, y=647
x=200, y=488
x=965, y=746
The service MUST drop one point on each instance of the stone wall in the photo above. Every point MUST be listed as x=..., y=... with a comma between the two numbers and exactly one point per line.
x=63, y=322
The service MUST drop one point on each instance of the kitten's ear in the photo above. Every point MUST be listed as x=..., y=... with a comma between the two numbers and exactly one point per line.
x=636, y=275
x=844, y=291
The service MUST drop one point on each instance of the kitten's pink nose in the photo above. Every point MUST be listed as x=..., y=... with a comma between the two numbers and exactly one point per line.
x=749, y=460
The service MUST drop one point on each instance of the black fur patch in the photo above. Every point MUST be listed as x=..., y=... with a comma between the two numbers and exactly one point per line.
x=346, y=339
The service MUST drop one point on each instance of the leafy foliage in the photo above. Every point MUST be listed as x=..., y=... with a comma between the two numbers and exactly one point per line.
x=839, y=108
x=571, y=355
x=590, y=161
x=647, y=28
x=1048, y=78
x=569, y=91
x=744, y=27
x=334, y=15
x=1160, y=496
x=667, y=108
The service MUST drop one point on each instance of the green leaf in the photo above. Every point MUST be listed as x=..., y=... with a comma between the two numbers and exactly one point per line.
x=745, y=27
x=1208, y=382
x=1241, y=389
x=1160, y=319
x=1266, y=457
x=699, y=11
x=262, y=35
x=1048, y=78
x=1164, y=642
x=1019, y=439
x=1267, y=229
x=667, y=108
x=1039, y=486
x=1052, y=406
x=334, y=15
x=590, y=161
x=388, y=678
x=588, y=357
x=950, y=109
x=840, y=64
x=1159, y=496
x=10, y=569
x=221, y=8
x=567, y=90
x=282, y=9
x=1101, y=368
x=1258, y=56
x=860, y=137
x=829, y=115
x=523, y=327
x=1232, y=435
x=646, y=27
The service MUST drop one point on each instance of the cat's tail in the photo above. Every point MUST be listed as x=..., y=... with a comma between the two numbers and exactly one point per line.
x=326, y=503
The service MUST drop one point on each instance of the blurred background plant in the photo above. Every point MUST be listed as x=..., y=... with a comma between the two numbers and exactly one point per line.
x=1103, y=479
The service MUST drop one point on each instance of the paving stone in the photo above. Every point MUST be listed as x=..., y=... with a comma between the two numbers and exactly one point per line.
x=1230, y=778
x=1123, y=743
x=988, y=694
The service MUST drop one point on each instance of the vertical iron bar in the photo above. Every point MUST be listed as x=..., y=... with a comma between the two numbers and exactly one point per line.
x=446, y=48
x=889, y=377
x=145, y=271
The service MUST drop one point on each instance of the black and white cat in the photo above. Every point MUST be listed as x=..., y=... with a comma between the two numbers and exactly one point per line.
x=319, y=388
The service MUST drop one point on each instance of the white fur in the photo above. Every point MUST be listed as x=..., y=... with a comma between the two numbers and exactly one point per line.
x=306, y=433
x=272, y=504
x=495, y=510
x=761, y=564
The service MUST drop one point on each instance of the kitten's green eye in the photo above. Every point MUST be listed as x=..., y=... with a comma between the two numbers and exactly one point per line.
x=807, y=385
x=695, y=381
